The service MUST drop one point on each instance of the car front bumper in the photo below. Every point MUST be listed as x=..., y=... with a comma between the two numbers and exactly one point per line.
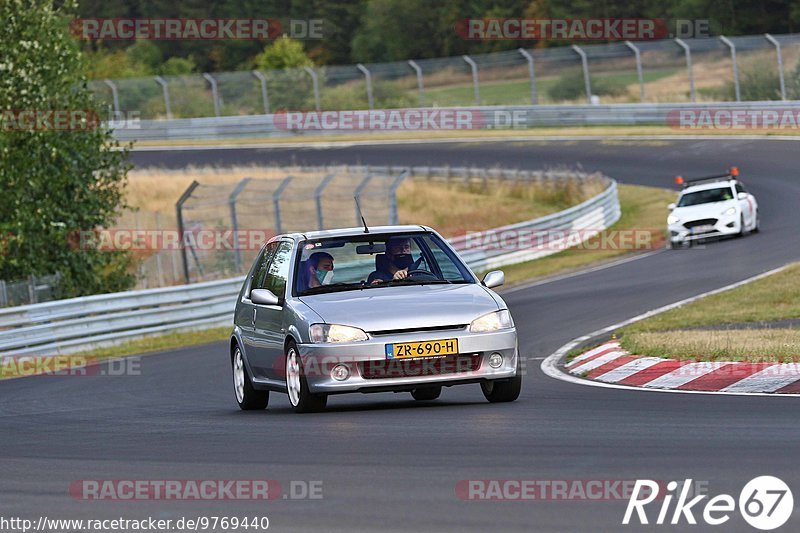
x=406, y=374
x=725, y=226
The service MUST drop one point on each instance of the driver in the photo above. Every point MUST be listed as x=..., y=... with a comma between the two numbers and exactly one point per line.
x=398, y=260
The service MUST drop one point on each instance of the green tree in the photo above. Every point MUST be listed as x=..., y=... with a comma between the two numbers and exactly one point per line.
x=57, y=184
x=282, y=54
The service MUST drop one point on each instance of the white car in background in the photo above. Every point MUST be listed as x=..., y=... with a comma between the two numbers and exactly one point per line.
x=715, y=206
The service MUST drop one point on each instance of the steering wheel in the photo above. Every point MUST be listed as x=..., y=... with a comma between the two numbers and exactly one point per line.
x=419, y=273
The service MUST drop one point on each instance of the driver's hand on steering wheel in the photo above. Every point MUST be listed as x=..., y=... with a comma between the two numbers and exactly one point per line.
x=401, y=274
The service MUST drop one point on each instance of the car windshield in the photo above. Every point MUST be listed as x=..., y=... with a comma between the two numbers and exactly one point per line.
x=706, y=197
x=375, y=261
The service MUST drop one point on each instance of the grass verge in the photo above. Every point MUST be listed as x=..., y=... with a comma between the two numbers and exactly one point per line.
x=774, y=298
x=642, y=209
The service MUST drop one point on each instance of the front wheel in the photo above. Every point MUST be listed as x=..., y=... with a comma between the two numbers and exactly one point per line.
x=503, y=390
x=757, y=226
x=300, y=397
x=247, y=397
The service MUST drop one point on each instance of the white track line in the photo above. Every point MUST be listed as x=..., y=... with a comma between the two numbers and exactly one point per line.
x=550, y=364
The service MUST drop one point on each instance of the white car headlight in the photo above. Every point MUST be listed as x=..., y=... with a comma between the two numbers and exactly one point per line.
x=492, y=322
x=336, y=333
x=729, y=211
x=672, y=219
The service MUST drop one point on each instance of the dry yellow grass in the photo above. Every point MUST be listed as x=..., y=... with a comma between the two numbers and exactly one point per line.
x=754, y=345
x=451, y=208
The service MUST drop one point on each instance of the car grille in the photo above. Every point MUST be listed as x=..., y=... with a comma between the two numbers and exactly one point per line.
x=405, y=368
x=451, y=327
x=702, y=222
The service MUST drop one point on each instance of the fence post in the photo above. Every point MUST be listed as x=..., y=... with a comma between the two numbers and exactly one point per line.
x=264, y=95
x=179, y=216
x=777, y=45
x=165, y=88
x=357, y=197
x=368, y=78
x=315, y=81
x=531, y=74
x=688, y=53
x=393, y=218
x=418, y=70
x=587, y=81
x=318, y=199
x=214, y=92
x=639, y=73
x=159, y=266
x=235, y=222
x=475, y=83
x=276, y=202
x=732, y=46
x=114, y=97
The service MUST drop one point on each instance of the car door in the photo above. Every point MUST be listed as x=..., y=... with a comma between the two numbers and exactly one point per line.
x=268, y=319
x=245, y=311
x=746, y=205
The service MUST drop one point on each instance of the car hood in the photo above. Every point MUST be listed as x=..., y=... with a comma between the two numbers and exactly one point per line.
x=403, y=307
x=694, y=212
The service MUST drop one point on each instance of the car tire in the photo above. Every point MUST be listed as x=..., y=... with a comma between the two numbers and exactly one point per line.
x=248, y=398
x=427, y=394
x=741, y=227
x=503, y=390
x=300, y=397
x=757, y=227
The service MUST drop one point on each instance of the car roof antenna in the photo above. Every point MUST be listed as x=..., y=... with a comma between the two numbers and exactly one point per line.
x=358, y=206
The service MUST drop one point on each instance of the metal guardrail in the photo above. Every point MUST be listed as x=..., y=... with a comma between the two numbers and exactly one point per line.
x=67, y=326
x=527, y=116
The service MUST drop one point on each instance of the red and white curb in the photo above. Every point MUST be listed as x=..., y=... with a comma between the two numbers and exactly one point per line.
x=610, y=363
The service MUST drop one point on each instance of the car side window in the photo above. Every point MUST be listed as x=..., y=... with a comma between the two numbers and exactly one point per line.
x=739, y=188
x=278, y=271
x=260, y=273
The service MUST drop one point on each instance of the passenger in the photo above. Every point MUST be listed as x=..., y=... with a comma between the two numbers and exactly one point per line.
x=317, y=267
x=398, y=259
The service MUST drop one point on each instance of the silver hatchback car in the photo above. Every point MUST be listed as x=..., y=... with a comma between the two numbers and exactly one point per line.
x=349, y=310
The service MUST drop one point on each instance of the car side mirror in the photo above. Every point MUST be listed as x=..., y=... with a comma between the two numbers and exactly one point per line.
x=671, y=207
x=263, y=297
x=495, y=278
x=742, y=196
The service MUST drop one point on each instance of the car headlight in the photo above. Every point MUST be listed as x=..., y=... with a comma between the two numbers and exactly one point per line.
x=672, y=219
x=492, y=322
x=336, y=333
x=729, y=211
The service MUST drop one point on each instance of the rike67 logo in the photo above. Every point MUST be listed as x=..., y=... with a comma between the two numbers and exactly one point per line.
x=765, y=503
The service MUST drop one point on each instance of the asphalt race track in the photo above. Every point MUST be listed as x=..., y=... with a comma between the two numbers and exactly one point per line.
x=389, y=463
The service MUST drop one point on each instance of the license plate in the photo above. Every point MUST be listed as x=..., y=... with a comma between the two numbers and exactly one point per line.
x=408, y=350
x=702, y=229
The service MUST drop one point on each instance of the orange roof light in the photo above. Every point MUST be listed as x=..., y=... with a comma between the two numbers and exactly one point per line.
x=734, y=171
x=679, y=180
